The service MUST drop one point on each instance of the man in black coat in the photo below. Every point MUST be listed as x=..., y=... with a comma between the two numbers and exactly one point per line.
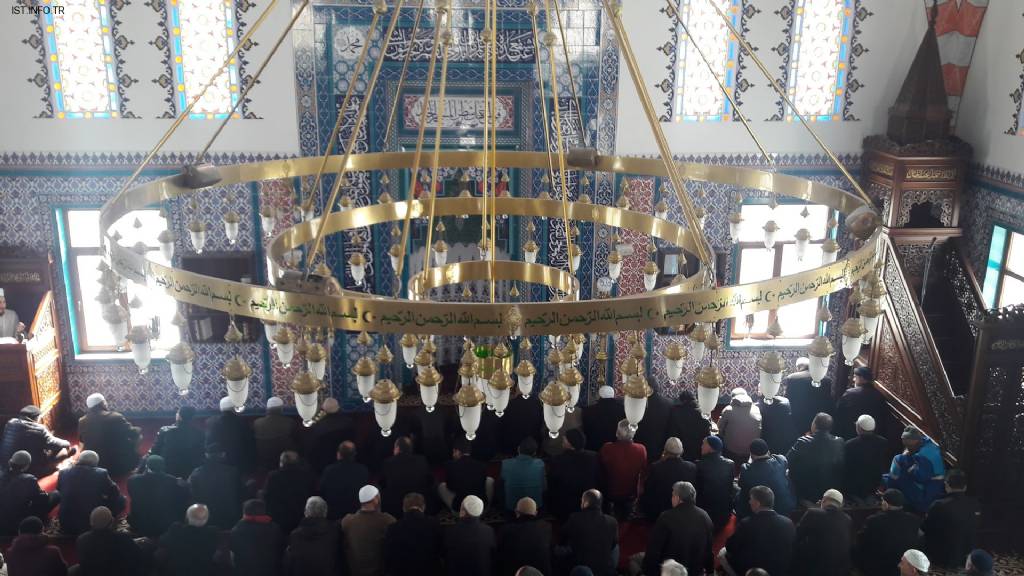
x=103, y=551
x=403, y=473
x=256, y=543
x=84, y=487
x=865, y=459
x=592, y=536
x=463, y=476
x=686, y=422
x=762, y=540
x=863, y=398
x=885, y=536
x=715, y=487
x=823, y=539
x=570, y=474
x=523, y=417
x=287, y=490
x=951, y=523
x=469, y=544
x=181, y=444
x=683, y=533
x=662, y=476
x=807, y=400
x=234, y=436
x=816, y=461
x=21, y=496
x=526, y=541
x=777, y=424
x=314, y=548
x=485, y=445
x=274, y=433
x=653, y=429
x=326, y=434
x=109, y=435
x=219, y=486
x=415, y=540
x=601, y=418
x=190, y=549
x=157, y=499
x=341, y=481
x=25, y=432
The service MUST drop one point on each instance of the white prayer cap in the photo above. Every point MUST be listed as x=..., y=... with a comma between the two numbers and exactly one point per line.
x=606, y=392
x=833, y=495
x=94, y=400
x=917, y=559
x=367, y=493
x=1, y=293
x=866, y=423
x=803, y=361
x=473, y=506
x=274, y=402
x=331, y=406
x=226, y=404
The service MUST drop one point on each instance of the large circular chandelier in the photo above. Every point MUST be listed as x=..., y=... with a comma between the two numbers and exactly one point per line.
x=304, y=297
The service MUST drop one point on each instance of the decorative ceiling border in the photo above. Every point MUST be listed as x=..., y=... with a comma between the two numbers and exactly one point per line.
x=1017, y=97
x=1010, y=181
x=119, y=160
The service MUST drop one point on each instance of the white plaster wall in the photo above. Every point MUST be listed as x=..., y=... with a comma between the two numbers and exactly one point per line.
x=273, y=99
x=891, y=35
x=986, y=111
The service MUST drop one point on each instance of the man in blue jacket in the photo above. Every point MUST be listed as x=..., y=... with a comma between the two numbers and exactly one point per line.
x=919, y=471
x=764, y=469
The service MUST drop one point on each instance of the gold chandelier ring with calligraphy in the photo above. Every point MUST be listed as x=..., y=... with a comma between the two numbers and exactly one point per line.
x=565, y=285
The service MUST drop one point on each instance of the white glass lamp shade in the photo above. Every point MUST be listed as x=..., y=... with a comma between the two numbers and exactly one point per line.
x=673, y=368
x=554, y=418
x=480, y=383
x=358, y=270
x=270, y=330
x=735, y=226
x=851, y=348
x=870, y=310
x=769, y=384
x=818, y=368
x=365, y=384
x=317, y=367
x=614, y=270
x=530, y=256
x=385, y=413
x=770, y=231
x=697, y=349
x=166, y=247
x=870, y=323
x=576, y=258
x=308, y=215
x=197, y=234
x=650, y=280
x=231, y=221
x=285, y=352
x=428, y=394
x=498, y=400
x=661, y=210
x=485, y=253
x=574, y=397
x=707, y=399
x=803, y=239
x=469, y=418
x=409, y=355
x=829, y=251
x=440, y=257
x=181, y=374
x=306, y=404
x=394, y=261
x=525, y=384
x=238, y=392
x=142, y=353
x=635, y=408
x=267, y=223
x=553, y=340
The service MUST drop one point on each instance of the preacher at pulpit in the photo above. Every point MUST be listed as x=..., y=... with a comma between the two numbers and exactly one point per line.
x=10, y=325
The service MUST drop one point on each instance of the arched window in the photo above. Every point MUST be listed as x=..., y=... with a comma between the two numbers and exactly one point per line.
x=697, y=94
x=80, y=58
x=819, y=58
x=202, y=36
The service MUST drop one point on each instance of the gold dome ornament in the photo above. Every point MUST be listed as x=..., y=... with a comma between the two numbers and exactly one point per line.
x=635, y=394
x=863, y=222
x=554, y=397
x=316, y=359
x=236, y=373
x=829, y=251
x=424, y=360
x=650, y=275
x=614, y=264
x=429, y=383
x=853, y=337
x=709, y=383
x=384, y=197
x=365, y=371
x=306, y=388
x=674, y=356
x=530, y=251
x=385, y=397
x=384, y=355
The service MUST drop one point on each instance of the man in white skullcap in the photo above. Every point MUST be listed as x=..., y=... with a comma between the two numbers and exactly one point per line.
x=914, y=562
x=470, y=544
x=274, y=433
x=823, y=538
x=10, y=325
x=601, y=418
x=866, y=457
x=110, y=435
x=662, y=475
x=234, y=436
x=364, y=533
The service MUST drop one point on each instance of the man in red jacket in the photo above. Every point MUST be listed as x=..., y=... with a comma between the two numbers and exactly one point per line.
x=32, y=554
x=622, y=463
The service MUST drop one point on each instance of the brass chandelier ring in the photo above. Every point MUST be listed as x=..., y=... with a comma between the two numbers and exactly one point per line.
x=357, y=311
x=458, y=272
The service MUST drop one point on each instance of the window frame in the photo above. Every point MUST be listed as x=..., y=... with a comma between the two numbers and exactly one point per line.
x=47, y=22
x=729, y=77
x=842, y=63
x=233, y=71
x=1003, y=270
x=736, y=330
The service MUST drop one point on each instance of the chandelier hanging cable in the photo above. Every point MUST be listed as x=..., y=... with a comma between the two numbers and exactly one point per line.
x=446, y=39
x=572, y=76
x=402, y=75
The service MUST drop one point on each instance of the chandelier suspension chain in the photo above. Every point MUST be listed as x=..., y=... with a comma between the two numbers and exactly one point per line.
x=402, y=76
x=494, y=145
x=446, y=39
x=245, y=93
x=693, y=223
x=350, y=146
x=188, y=109
x=674, y=13
x=306, y=200
x=785, y=97
x=532, y=8
x=549, y=40
x=572, y=76
x=484, y=241
x=431, y=68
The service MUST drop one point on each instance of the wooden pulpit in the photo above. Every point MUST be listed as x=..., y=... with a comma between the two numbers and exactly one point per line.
x=30, y=370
